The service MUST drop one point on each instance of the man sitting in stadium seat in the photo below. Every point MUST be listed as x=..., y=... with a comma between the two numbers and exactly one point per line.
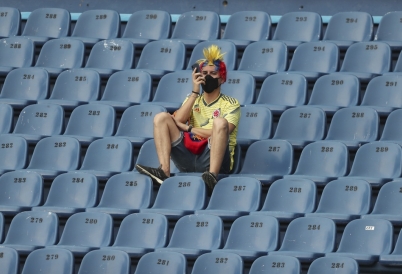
x=201, y=135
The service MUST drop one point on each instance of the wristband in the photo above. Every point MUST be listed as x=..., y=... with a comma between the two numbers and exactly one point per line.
x=190, y=127
x=198, y=94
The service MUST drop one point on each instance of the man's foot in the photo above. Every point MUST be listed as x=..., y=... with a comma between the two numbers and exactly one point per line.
x=157, y=174
x=210, y=180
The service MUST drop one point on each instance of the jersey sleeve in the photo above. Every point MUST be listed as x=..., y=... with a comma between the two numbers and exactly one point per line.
x=232, y=113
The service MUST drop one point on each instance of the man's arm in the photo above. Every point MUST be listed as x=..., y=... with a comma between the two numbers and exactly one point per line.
x=200, y=131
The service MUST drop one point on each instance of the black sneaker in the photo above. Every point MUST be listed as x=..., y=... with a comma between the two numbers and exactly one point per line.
x=157, y=174
x=209, y=180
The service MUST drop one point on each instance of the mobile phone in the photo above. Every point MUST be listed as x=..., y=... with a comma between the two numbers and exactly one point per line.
x=196, y=66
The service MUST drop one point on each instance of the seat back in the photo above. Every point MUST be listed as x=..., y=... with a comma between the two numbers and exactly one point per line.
x=277, y=264
x=173, y=87
x=398, y=65
x=100, y=24
x=10, y=262
x=48, y=259
x=248, y=25
x=229, y=263
x=166, y=262
x=16, y=52
x=106, y=262
x=332, y=265
x=14, y=152
x=207, y=24
x=383, y=91
x=241, y=86
x=398, y=245
x=389, y=28
x=255, y=123
x=48, y=22
x=6, y=118
x=10, y=22
x=388, y=199
x=392, y=131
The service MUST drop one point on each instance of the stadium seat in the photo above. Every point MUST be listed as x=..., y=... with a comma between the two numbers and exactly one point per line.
x=151, y=230
x=6, y=118
x=392, y=131
x=96, y=24
x=377, y=163
x=252, y=236
x=398, y=66
x=348, y=27
x=334, y=265
x=24, y=86
x=161, y=57
x=71, y=193
x=354, y=126
x=105, y=262
x=225, y=262
x=9, y=264
x=389, y=30
x=10, y=22
x=267, y=160
x=15, y=52
x=145, y=26
x=194, y=235
x=282, y=91
x=55, y=155
x=98, y=157
x=322, y=162
x=13, y=153
x=240, y=85
x=31, y=230
x=366, y=60
x=245, y=27
x=61, y=54
x=192, y=191
x=137, y=123
x=90, y=122
x=230, y=57
x=297, y=27
x=393, y=259
x=86, y=231
x=276, y=264
x=233, y=197
x=126, y=88
x=110, y=56
x=2, y=227
x=46, y=260
x=308, y=238
x=206, y=23
x=125, y=193
x=74, y=87
x=21, y=190
x=335, y=91
x=166, y=262
x=344, y=200
x=47, y=23
x=264, y=58
x=301, y=125
x=288, y=199
x=255, y=124
x=365, y=240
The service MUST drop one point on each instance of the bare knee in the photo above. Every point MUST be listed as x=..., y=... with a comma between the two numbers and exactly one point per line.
x=161, y=118
x=220, y=124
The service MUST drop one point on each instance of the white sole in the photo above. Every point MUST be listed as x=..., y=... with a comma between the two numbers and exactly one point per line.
x=145, y=172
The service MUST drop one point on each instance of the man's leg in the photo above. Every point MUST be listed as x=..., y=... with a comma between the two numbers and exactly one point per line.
x=219, y=143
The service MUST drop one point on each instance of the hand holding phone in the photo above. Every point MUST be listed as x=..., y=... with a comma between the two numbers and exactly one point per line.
x=196, y=66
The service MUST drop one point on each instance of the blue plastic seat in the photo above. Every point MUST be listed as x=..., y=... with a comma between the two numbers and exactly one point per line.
x=110, y=56
x=392, y=132
x=105, y=262
x=90, y=122
x=74, y=87
x=55, y=155
x=71, y=193
x=10, y=262
x=278, y=264
x=308, y=238
x=297, y=27
x=10, y=22
x=282, y=91
x=393, y=259
x=125, y=193
x=267, y=160
x=95, y=25
x=354, y=126
x=206, y=23
x=365, y=240
x=398, y=66
x=2, y=227
x=389, y=30
x=252, y=236
x=194, y=235
x=6, y=118
x=228, y=47
x=348, y=27
x=264, y=58
x=15, y=52
x=322, y=162
x=192, y=191
x=166, y=262
x=136, y=123
x=31, y=230
x=46, y=260
x=334, y=265
x=301, y=125
x=161, y=57
x=240, y=85
x=145, y=26
x=288, y=199
x=245, y=27
x=21, y=190
x=47, y=23
x=315, y=59
x=377, y=163
x=13, y=153
x=224, y=262
x=335, y=91
x=24, y=86
x=233, y=197
x=126, y=88
x=58, y=55
x=344, y=200
x=151, y=230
